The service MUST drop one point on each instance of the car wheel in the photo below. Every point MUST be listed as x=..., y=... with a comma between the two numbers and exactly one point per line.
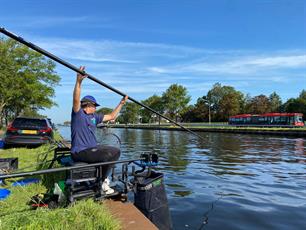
x=6, y=146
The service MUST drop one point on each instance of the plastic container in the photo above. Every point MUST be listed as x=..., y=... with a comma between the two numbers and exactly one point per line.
x=1, y=144
x=4, y=193
x=24, y=182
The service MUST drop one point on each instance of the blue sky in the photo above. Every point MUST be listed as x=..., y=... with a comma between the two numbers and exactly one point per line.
x=142, y=47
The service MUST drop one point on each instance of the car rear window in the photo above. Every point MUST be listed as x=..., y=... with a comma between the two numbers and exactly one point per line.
x=29, y=123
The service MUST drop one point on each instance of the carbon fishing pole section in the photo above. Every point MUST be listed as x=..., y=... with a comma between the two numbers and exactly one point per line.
x=74, y=68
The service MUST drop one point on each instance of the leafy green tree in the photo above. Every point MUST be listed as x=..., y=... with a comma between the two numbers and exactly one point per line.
x=188, y=114
x=214, y=96
x=303, y=94
x=129, y=113
x=290, y=105
x=245, y=107
x=104, y=110
x=259, y=105
x=67, y=123
x=154, y=102
x=230, y=105
x=275, y=102
x=297, y=105
x=28, y=112
x=175, y=100
x=224, y=101
x=27, y=80
x=199, y=112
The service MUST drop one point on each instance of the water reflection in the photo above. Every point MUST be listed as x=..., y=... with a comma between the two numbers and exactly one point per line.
x=261, y=178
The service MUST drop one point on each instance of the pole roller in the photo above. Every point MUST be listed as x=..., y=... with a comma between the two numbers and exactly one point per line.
x=48, y=171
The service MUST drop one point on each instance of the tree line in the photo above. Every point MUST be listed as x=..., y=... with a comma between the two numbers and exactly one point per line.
x=27, y=81
x=217, y=105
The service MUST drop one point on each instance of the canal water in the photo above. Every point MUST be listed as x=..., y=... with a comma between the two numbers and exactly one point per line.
x=229, y=181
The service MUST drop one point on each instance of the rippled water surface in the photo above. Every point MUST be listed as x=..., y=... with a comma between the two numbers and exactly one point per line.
x=229, y=181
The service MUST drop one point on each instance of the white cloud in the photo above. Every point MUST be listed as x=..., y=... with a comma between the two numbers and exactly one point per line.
x=279, y=61
x=117, y=57
x=45, y=21
x=114, y=51
x=240, y=65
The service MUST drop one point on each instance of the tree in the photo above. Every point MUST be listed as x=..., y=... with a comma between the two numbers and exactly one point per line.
x=302, y=95
x=214, y=96
x=28, y=112
x=104, y=110
x=302, y=102
x=188, y=114
x=230, y=103
x=175, y=100
x=297, y=105
x=27, y=80
x=224, y=101
x=67, y=123
x=259, y=105
x=275, y=102
x=199, y=112
x=154, y=102
x=129, y=113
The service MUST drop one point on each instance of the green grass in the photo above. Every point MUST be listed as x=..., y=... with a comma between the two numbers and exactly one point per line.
x=16, y=214
x=85, y=214
x=29, y=157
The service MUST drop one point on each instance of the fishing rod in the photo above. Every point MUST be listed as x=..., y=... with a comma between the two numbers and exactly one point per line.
x=62, y=169
x=74, y=68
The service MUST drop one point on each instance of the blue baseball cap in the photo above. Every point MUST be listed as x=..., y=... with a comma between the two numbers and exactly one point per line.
x=90, y=99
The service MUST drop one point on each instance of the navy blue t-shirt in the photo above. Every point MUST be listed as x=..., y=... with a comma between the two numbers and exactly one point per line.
x=83, y=128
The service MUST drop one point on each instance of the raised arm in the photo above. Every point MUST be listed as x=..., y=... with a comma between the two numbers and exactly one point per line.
x=114, y=113
x=77, y=90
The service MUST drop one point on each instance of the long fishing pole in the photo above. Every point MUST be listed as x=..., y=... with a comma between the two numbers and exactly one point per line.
x=74, y=68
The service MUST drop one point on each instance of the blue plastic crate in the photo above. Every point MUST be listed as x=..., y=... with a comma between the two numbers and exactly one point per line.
x=1, y=144
x=4, y=193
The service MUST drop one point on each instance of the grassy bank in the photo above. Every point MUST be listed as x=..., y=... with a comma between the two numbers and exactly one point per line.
x=205, y=126
x=16, y=214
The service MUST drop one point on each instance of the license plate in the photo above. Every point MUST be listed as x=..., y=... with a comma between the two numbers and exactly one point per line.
x=29, y=132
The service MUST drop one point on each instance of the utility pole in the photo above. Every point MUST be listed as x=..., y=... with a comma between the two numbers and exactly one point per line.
x=209, y=117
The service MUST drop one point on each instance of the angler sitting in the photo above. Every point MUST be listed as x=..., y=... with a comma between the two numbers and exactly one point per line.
x=84, y=120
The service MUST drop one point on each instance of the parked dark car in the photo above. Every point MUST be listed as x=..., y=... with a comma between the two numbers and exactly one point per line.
x=51, y=123
x=28, y=131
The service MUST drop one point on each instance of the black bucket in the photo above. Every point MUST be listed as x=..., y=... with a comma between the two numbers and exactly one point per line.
x=151, y=199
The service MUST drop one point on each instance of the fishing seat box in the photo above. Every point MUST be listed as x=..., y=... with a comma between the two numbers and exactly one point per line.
x=81, y=182
x=79, y=173
x=8, y=163
x=83, y=173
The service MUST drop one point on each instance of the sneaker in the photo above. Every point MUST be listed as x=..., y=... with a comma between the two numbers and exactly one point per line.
x=106, y=188
x=110, y=183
